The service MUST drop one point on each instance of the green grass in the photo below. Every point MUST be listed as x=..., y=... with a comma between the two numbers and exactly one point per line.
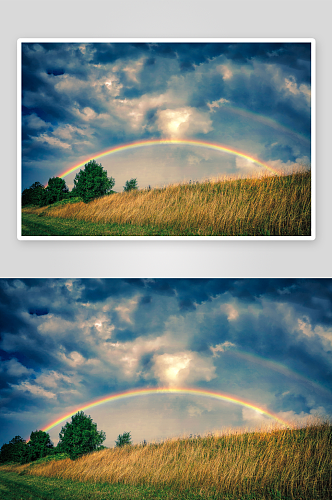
x=35, y=225
x=14, y=486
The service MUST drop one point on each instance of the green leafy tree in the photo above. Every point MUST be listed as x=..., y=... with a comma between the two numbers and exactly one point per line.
x=123, y=439
x=130, y=185
x=39, y=445
x=14, y=451
x=56, y=190
x=92, y=182
x=80, y=436
x=33, y=195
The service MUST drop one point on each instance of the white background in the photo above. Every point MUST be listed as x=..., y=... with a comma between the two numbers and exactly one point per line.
x=165, y=18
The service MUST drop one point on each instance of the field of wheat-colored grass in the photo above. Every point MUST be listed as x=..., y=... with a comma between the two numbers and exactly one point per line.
x=287, y=461
x=258, y=206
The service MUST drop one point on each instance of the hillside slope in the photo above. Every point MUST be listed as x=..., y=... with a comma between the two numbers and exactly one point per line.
x=265, y=206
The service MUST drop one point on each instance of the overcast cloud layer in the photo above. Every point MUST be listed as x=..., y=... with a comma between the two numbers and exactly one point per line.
x=65, y=342
x=79, y=99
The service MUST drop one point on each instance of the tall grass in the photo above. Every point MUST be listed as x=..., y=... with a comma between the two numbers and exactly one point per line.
x=296, y=463
x=271, y=205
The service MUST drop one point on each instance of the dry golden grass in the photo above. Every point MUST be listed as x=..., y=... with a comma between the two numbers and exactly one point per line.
x=271, y=205
x=287, y=461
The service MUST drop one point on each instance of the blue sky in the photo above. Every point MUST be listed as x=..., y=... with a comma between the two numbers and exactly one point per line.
x=79, y=99
x=65, y=342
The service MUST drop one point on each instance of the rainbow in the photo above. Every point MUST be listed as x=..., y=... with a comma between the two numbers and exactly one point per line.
x=156, y=142
x=163, y=390
x=279, y=367
x=265, y=120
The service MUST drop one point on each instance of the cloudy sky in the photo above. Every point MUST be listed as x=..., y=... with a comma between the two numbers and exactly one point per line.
x=79, y=99
x=66, y=342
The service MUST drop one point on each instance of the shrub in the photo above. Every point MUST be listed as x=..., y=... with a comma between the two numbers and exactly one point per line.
x=123, y=439
x=130, y=185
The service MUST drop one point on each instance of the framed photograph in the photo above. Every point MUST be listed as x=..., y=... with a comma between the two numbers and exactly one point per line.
x=166, y=139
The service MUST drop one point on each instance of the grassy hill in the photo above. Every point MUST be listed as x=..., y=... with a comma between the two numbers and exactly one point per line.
x=270, y=464
x=264, y=206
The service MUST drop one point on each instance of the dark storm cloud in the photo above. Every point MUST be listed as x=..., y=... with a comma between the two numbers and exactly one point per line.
x=105, y=53
x=293, y=55
x=100, y=289
x=39, y=311
x=55, y=72
x=313, y=293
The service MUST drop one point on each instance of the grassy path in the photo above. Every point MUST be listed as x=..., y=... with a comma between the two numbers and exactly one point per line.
x=25, y=487
x=14, y=486
x=34, y=225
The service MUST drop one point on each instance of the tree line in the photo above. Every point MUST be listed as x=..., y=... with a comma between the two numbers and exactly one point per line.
x=76, y=438
x=89, y=183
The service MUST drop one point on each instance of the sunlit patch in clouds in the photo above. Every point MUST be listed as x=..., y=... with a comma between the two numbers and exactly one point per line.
x=183, y=122
x=183, y=367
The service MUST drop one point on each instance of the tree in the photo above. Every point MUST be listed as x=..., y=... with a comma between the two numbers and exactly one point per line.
x=56, y=190
x=14, y=451
x=39, y=445
x=80, y=436
x=130, y=185
x=123, y=439
x=92, y=182
x=33, y=194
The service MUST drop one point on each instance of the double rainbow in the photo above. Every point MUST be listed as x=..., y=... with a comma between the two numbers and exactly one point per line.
x=279, y=367
x=265, y=120
x=163, y=390
x=185, y=142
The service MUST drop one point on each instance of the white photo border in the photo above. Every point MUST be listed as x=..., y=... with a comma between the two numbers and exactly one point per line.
x=312, y=42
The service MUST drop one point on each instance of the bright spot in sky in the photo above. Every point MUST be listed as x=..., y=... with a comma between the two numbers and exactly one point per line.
x=177, y=118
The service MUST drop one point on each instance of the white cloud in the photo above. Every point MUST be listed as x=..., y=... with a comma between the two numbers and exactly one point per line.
x=125, y=309
x=34, y=389
x=284, y=167
x=183, y=122
x=245, y=163
x=225, y=71
x=221, y=348
x=325, y=334
x=305, y=327
x=87, y=114
x=33, y=121
x=216, y=104
x=253, y=417
x=182, y=367
x=301, y=419
x=125, y=356
x=292, y=87
x=133, y=70
x=52, y=324
x=14, y=368
x=52, y=141
x=52, y=379
x=232, y=312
